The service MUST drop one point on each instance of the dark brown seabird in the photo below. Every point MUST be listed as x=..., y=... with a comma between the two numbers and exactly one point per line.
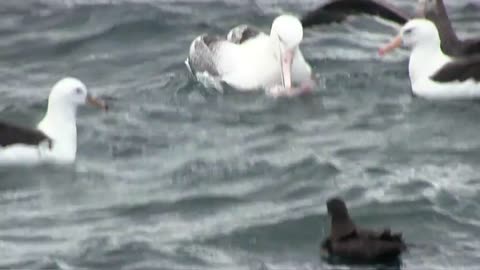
x=348, y=242
x=433, y=10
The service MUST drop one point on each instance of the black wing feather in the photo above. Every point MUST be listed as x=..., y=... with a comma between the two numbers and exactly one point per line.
x=11, y=134
x=471, y=46
x=242, y=33
x=202, y=57
x=459, y=70
x=339, y=10
x=366, y=245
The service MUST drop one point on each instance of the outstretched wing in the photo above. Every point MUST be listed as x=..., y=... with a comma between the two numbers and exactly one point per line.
x=339, y=10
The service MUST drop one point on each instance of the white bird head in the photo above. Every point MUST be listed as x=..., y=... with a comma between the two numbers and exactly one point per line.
x=72, y=92
x=287, y=33
x=416, y=32
x=419, y=32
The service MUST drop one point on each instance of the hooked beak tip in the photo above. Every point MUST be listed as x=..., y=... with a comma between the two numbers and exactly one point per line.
x=392, y=45
x=381, y=52
x=95, y=102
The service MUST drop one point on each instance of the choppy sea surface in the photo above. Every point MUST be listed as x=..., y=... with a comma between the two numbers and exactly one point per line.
x=177, y=176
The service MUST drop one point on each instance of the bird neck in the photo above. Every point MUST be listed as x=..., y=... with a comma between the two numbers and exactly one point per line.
x=275, y=45
x=425, y=60
x=59, y=123
x=61, y=112
x=341, y=218
x=341, y=226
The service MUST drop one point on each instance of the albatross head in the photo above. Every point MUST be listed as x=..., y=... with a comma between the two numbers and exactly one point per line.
x=71, y=92
x=287, y=33
x=336, y=207
x=415, y=33
x=65, y=96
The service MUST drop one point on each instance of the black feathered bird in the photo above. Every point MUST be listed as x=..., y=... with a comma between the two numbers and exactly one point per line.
x=348, y=242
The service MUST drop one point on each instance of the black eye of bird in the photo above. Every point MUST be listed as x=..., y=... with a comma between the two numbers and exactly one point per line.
x=408, y=31
x=78, y=90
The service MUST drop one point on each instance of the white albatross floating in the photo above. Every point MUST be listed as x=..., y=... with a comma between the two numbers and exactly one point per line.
x=55, y=138
x=249, y=59
x=433, y=74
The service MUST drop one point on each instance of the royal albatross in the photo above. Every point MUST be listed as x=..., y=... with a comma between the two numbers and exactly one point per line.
x=54, y=140
x=433, y=10
x=248, y=59
x=433, y=74
x=348, y=242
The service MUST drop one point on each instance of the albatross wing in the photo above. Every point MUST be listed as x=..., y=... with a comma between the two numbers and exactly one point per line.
x=339, y=10
x=11, y=134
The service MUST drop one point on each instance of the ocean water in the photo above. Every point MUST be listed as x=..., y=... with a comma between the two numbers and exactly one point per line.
x=177, y=176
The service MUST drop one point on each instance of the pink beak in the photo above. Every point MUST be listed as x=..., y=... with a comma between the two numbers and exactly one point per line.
x=394, y=43
x=287, y=59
